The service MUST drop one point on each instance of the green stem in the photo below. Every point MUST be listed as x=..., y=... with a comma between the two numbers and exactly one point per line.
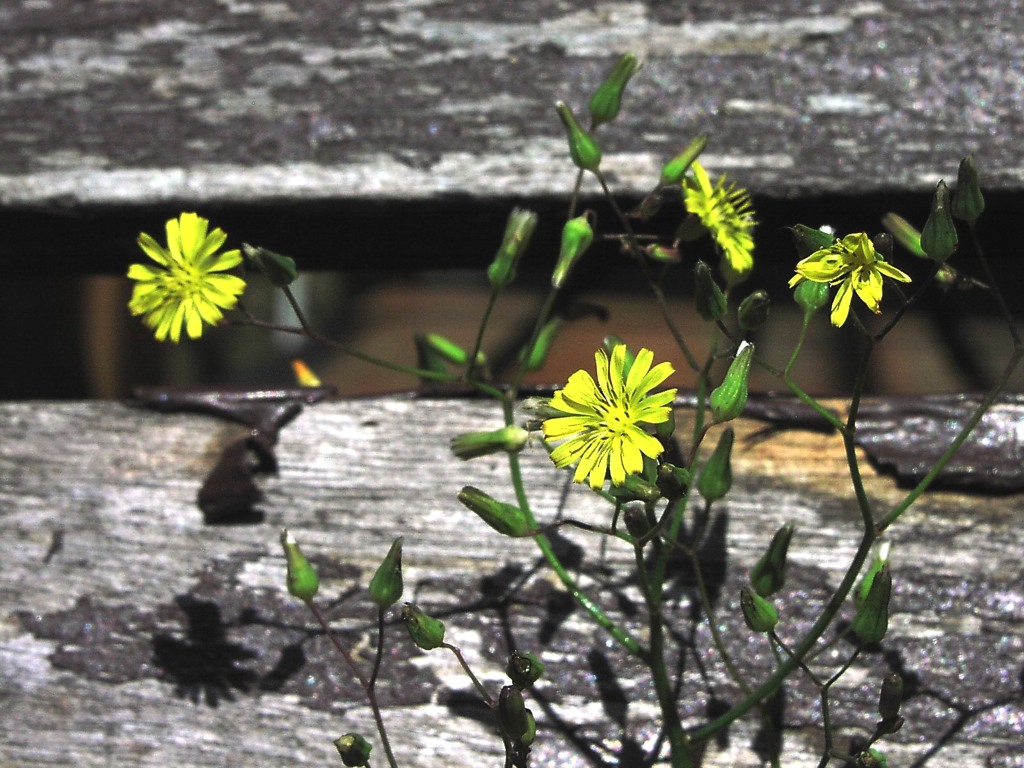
x=478, y=344
x=634, y=246
x=368, y=689
x=679, y=745
x=469, y=672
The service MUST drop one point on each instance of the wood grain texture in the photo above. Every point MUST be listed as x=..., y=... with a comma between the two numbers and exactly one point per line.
x=149, y=639
x=126, y=102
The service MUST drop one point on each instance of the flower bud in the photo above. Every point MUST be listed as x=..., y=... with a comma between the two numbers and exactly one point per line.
x=518, y=231
x=504, y=518
x=648, y=207
x=809, y=241
x=716, y=478
x=871, y=758
x=354, y=750
x=386, y=584
x=530, y=734
x=968, y=202
x=662, y=255
x=426, y=631
x=891, y=697
x=879, y=558
x=585, y=152
x=577, y=235
x=769, y=573
x=610, y=342
x=872, y=618
x=810, y=296
x=636, y=488
x=524, y=669
x=758, y=612
x=753, y=310
x=637, y=523
x=664, y=430
x=278, y=269
x=607, y=99
x=938, y=236
x=674, y=481
x=904, y=233
x=512, y=718
x=708, y=299
x=304, y=375
x=730, y=397
x=470, y=445
x=303, y=581
x=674, y=170
x=445, y=349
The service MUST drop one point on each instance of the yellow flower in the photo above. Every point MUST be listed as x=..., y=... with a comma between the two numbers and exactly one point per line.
x=187, y=288
x=727, y=213
x=603, y=425
x=853, y=265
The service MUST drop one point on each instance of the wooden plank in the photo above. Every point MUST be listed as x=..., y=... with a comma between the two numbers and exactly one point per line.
x=150, y=639
x=121, y=102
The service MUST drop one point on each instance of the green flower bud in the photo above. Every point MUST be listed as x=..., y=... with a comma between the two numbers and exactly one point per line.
x=674, y=481
x=512, y=718
x=674, y=170
x=530, y=734
x=445, y=349
x=354, y=749
x=426, y=631
x=610, y=342
x=769, y=573
x=303, y=581
x=278, y=269
x=810, y=296
x=758, y=612
x=662, y=255
x=518, y=231
x=386, y=584
x=637, y=523
x=665, y=429
x=504, y=518
x=636, y=488
x=690, y=228
x=470, y=445
x=904, y=233
x=872, y=618
x=891, y=697
x=808, y=240
x=730, y=397
x=607, y=99
x=871, y=758
x=585, y=152
x=524, y=669
x=648, y=207
x=938, y=236
x=716, y=478
x=968, y=202
x=708, y=298
x=879, y=558
x=577, y=235
x=753, y=310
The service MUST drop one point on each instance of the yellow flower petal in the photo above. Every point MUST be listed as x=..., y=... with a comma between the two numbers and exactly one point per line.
x=189, y=288
x=603, y=426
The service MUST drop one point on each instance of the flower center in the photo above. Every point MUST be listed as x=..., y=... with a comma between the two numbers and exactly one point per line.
x=617, y=419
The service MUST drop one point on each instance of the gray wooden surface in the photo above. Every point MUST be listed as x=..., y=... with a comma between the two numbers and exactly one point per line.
x=149, y=639
x=131, y=102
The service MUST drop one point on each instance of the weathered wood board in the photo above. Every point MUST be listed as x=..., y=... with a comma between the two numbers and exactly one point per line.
x=150, y=639
x=126, y=102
